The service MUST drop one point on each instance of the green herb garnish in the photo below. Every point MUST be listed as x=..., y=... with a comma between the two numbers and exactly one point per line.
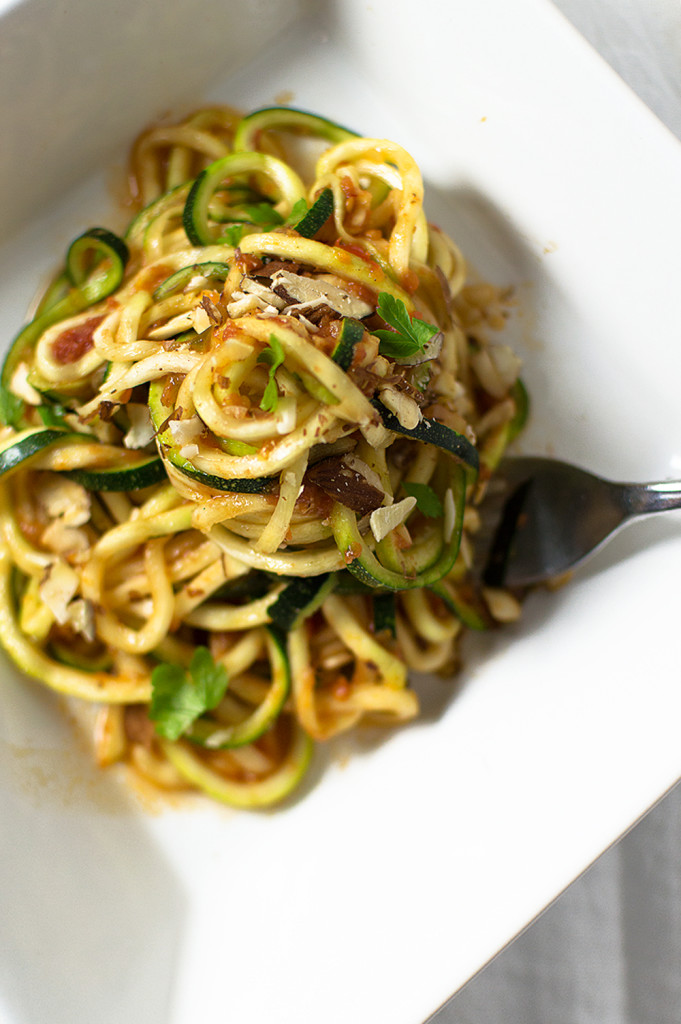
x=10, y=406
x=272, y=356
x=262, y=214
x=300, y=208
x=233, y=234
x=178, y=697
x=53, y=415
x=427, y=500
x=409, y=335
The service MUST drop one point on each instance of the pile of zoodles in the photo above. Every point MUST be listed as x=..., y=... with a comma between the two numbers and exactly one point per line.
x=242, y=452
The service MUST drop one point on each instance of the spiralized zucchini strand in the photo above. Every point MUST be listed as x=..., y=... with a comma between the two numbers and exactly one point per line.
x=241, y=450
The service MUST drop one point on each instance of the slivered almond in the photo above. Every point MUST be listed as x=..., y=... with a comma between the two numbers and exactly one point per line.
x=385, y=519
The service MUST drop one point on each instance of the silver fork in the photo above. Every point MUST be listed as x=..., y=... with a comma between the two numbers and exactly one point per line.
x=541, y=518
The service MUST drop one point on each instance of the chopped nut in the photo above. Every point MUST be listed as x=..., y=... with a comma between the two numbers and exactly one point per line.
x=215, y=314
x=20, y=386
x=189, y=451
x=65, y=540
x=310, y=292
x=385, y=519
x=404, y=407
x=179, y=323
x=243, y=304
x=184, y=431
x=502, y=606
x=65, y=500
x=266, y=296
x=58, y=586
x=200, y=320
x=141, y=431
x=80, y=615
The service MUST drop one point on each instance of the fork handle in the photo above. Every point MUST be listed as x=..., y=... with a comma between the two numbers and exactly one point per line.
x=639, y=499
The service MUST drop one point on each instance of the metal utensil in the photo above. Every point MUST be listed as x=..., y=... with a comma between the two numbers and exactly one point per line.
x=542, y=518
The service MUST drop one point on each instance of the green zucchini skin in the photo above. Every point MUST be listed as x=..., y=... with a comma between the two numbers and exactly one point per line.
x=175, y=197
x=250, y=587
x=73, y=659
x=317, y=216
x=84, y=263
x=28, y=444
x=384, y=613
x=180, y=278
x=196, y=214
x=430, y=431
x=134, y=477
x=522, y=410
x=170, y=451
x=250, y=795
x=300, y=599
x=350, y=335
x=464, y=611
x=287, y=119
x=95, y=266
x=365, y=564
x=258, y=485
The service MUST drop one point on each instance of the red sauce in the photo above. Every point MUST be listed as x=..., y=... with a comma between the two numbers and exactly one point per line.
x=154, y=277
x=409, y=281
x=313, y=501
x=348, y=187
x=74, y=342
x=361, y=291
x=356, y=250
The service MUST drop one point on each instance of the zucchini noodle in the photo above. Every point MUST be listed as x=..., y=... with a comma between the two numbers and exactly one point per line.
x=242, y=451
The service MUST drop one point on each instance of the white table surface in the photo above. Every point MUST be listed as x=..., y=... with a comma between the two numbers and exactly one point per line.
x=609, y=949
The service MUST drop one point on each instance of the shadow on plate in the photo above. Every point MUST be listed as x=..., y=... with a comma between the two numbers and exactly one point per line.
x=92, y=911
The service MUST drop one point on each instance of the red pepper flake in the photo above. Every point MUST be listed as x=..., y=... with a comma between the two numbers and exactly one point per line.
x=351, y=553
x=72, y=344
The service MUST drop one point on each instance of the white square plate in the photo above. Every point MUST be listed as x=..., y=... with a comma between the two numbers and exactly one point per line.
x=406, y=866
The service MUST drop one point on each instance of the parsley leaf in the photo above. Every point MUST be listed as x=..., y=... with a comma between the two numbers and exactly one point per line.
x=427, y=500
x=272, y=356
x=233, y=234
x=10, y=406
x=408, y=337
x=178, y=697
x=300, y=208
x=53, y=415
x=262, y=214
